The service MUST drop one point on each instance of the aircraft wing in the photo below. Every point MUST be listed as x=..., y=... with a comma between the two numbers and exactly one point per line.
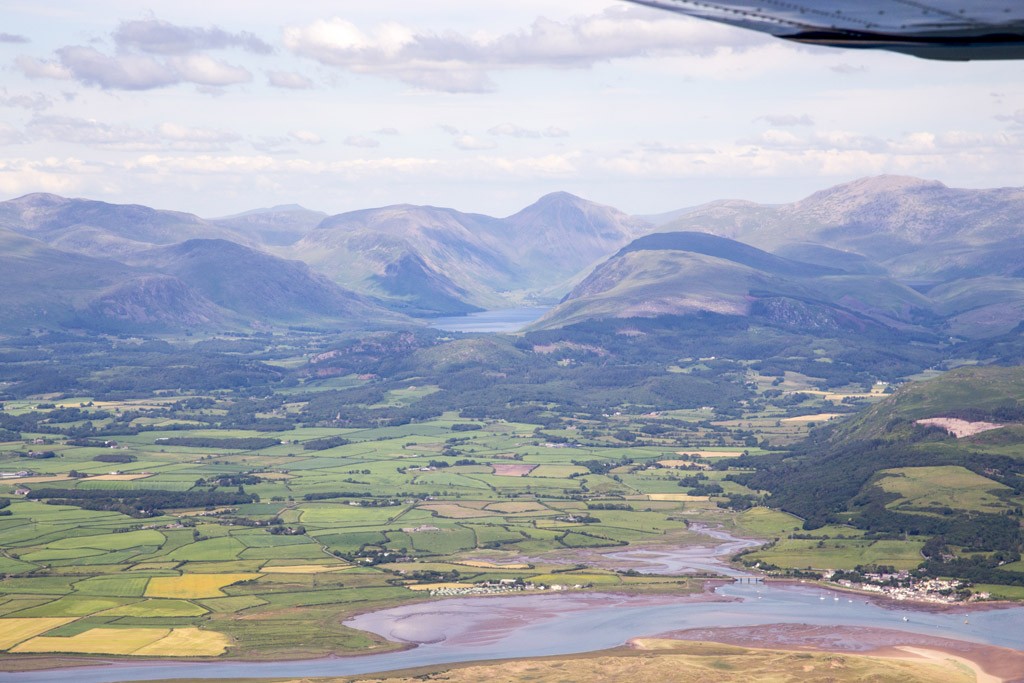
x=956, y=30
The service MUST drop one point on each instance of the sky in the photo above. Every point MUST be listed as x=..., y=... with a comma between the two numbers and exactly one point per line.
x=221, y=106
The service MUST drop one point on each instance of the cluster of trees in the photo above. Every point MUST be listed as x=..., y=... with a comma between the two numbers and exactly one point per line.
x=325, y=443
x=249, y=443
x=602, y=466
x=107, y=367
x=119, y=458
x=976, y=569
x=139, y=503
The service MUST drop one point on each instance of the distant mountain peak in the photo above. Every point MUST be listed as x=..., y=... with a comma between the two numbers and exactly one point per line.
x=559, y=196
x=37, y=198
x=871, y=186
x=276, y=209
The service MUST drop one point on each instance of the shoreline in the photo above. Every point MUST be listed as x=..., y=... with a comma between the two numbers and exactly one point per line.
x=707, y=593
x=917, y=605
x=62, y=661
x=992, y=664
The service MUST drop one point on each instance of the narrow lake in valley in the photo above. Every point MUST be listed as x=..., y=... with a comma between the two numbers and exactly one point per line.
x=502, y=320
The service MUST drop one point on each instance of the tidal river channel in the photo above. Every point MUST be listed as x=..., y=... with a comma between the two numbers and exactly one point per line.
x=469, y=629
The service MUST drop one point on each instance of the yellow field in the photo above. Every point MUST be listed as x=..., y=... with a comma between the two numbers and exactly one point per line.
x=435, y=586
x=305, y=568
x=13, y=631
x=193, y=585
x=674, y=497
x=492, y=565
x=97, y=641
x=712, y=454
x=835, y=397
x=150, y=642
x=201, y=512
x=156, y=607
x=121, y=477
x=683, y=463
x=187, y=642
x=142, y=566
x=820, y=417
x=452, y=511
x=568, y=579
x=512, y=508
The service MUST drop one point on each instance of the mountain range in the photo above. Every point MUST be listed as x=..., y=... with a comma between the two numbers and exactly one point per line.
x=431, y=260
x=893, y=252
x=904, y=252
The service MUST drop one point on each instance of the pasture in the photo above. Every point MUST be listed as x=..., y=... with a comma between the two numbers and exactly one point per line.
x=190, y=586
x=940, y=487
x=375, y=518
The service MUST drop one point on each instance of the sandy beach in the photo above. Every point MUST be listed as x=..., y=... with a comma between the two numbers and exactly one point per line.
x=991, y=664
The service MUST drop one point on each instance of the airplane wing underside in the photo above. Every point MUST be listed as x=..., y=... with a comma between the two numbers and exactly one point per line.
x=955, y=30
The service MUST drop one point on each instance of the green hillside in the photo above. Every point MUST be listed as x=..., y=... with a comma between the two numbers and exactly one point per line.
x=893, y=477
x=975, y=393
x=686, y=273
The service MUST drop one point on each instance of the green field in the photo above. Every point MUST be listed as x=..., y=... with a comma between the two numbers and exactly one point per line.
x=379, y=498
x=218, y=488
x=949, y=486
x=840, y=554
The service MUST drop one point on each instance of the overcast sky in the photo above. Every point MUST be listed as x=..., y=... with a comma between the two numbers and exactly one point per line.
x=219, y=106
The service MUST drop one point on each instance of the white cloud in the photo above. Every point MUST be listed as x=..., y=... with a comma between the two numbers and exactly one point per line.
x=456, y=62
x=52, y=174
x=241, y=164
x=134, y=71
x=306, y=137
x=164, y=38
x=658, y=147
x=38, y=68
x=122, y=72
x=787, y=119
x=10, y=135
x=151, y=54
x=289, y=80
x=36, y=101
x=516, y=131
x=202, y=136
x=275, y=145
x=88, y=132
x=386, y=131
x=99, y=134
x=1016, y=117
x=12, y=38
x=471, y=143
x=205, y=70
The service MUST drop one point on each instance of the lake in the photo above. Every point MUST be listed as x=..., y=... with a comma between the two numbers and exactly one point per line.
x=501, y=320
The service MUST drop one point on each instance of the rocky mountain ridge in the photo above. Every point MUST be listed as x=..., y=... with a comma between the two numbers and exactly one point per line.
x=888, y=250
